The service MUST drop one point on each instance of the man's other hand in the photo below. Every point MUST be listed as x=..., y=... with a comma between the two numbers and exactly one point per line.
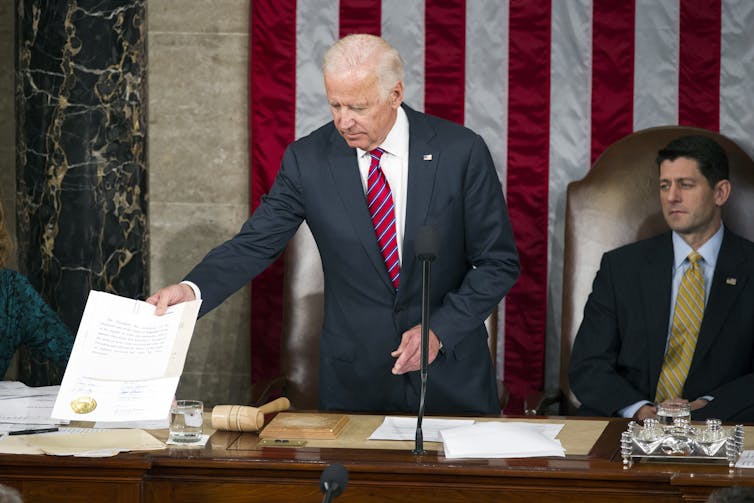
x=645, y=411
x=698, y=403
x=409, y=351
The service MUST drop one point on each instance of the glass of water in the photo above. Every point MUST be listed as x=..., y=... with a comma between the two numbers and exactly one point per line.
x=668, y=411
x=186, y=418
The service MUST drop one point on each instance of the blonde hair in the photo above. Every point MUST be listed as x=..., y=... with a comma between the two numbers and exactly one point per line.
x=359, y=49
x=6, y=243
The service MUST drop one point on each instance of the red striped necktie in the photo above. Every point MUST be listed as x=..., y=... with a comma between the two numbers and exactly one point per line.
x=381, y=208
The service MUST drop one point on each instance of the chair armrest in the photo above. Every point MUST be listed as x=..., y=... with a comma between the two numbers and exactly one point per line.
x=271, y=389
x=537, y=402
x=502, y=394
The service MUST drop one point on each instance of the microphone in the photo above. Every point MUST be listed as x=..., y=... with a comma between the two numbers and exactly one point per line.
x=426, y=251
x=426, y=243
x=333, y=481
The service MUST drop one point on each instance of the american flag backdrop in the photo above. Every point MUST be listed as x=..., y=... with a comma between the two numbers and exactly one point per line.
x=547, y=83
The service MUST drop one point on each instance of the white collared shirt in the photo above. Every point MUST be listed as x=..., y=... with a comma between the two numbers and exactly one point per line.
x=709, y=252
x=394, y=164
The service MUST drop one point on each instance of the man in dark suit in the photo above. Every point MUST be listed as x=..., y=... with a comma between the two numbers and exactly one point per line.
x=637, y=329
x=437, y=174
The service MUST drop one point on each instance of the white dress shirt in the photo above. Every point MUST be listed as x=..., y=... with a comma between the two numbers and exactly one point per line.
x=394, y=164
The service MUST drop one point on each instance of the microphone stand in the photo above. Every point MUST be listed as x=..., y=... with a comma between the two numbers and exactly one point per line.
x=419, y=442
x=426, y=251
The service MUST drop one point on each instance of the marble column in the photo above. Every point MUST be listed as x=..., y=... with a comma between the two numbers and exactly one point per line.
x=81, y=149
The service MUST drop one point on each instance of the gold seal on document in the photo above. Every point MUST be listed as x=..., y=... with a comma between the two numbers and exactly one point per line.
x=83, y=405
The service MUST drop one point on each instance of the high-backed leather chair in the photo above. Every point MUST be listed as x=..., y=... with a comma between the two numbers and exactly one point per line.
x=618, y=202
x=303, y=308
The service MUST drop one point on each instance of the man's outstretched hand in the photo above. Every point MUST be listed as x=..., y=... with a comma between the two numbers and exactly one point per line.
x=173, y=294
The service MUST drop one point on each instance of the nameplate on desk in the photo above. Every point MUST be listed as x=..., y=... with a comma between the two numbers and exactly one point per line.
x=304, y=425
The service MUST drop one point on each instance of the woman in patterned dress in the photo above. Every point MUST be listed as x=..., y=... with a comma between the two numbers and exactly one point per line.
x=25, y=318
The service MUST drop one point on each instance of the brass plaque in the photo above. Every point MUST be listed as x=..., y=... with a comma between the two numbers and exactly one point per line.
x=277, y=442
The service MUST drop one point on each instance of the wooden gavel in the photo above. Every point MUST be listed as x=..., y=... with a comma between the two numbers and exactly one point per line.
x=244, y=417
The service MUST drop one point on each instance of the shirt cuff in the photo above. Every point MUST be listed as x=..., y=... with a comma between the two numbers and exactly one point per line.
x=197, y=292
x=631, y=409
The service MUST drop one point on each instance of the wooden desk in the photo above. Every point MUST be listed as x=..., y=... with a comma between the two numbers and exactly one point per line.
x=233, y=468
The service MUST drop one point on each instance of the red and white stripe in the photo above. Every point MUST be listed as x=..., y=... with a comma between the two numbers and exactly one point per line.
x=548, y=84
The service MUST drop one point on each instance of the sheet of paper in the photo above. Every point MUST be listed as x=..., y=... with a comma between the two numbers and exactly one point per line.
x=404, y=428
x=549, y=430
x=746, y=460
x=93, y=443
x=17, y=389
x=17, y=445
x=23, y=407
x=499, y=440
x=32, y=409
x=11, y=388
x=126, y=361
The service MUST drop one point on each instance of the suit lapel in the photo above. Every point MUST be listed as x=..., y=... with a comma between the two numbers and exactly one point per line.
x=345, y=172
x=422, y=166
x=728, y=281
x=656, y=282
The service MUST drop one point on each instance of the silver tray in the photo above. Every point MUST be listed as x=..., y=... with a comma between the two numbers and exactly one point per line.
x=681, y=442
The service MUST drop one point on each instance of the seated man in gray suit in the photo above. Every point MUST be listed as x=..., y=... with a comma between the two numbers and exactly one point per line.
x=366, y=182
x=672, y=317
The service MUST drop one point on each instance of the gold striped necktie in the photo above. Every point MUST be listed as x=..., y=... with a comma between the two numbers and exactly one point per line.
x=687, y=318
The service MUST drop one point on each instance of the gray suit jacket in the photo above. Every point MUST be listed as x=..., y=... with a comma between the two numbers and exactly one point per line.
x=457, y=191
x=619, y=348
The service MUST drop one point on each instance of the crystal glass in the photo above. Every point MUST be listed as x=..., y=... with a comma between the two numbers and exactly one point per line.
x=667, y=412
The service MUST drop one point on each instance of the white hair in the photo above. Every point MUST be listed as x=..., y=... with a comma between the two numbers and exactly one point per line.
x=358, y=51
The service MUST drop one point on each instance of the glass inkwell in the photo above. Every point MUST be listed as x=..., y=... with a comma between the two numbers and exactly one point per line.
x=711, y=438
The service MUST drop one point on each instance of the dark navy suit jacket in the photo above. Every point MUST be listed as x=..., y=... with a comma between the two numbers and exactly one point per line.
x=619, y=348
x=453, y=186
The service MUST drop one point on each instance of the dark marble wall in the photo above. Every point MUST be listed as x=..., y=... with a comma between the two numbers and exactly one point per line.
x=7, y=118
x=81, y=149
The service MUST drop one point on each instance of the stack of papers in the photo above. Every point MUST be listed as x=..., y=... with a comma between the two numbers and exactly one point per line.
x=25, y=408
x=502, y=440
x=466, y=438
